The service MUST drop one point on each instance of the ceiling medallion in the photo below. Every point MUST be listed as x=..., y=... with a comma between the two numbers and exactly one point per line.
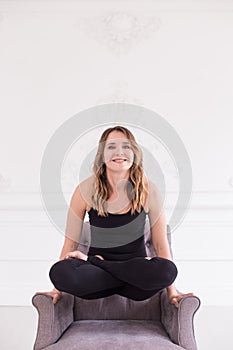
x=120, y=31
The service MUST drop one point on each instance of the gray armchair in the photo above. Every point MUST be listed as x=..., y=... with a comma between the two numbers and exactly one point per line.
x=115, y=322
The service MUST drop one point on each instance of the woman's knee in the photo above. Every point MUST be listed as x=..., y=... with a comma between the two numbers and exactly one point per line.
x=171, y=272
x=67, y=276
x=59, y=272
x=168, y=270
x=55, y=272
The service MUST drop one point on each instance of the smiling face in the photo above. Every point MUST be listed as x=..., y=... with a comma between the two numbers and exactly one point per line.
x=118, y=152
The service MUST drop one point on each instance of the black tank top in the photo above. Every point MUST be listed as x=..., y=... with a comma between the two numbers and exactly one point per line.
x=117, y=236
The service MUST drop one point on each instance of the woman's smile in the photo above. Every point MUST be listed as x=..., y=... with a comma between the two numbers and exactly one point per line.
x=119, y=160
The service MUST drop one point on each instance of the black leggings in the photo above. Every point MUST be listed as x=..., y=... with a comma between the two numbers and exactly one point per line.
x=136, y=278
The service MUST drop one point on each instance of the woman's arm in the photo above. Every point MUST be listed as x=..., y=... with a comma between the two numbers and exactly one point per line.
x=158, y=224
x=161, y=245
x=159, y=236
x=74, y=224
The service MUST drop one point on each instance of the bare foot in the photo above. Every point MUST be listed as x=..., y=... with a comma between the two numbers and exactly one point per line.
x=100, y=257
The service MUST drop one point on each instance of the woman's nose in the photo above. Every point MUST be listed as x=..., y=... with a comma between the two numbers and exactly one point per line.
x=119, y=151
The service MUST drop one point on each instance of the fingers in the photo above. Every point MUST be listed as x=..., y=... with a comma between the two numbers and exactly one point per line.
x=73, y=254
x=175, y=299
x=76, y=254
x=70, y=255
x=56, y=298
x=55, y=295
x=186, y=295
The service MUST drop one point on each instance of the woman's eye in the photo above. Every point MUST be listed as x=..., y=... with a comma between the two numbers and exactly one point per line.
x=111, y=147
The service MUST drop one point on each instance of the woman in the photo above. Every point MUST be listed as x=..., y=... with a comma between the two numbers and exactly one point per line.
x=117, y=198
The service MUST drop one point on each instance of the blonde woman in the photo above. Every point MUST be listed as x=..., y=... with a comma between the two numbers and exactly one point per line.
x=117, y=199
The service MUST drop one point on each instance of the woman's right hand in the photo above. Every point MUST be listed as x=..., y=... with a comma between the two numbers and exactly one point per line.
x=55, y=294
x=77, y=255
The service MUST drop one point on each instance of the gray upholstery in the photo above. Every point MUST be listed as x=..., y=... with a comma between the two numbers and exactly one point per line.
x=115, y=322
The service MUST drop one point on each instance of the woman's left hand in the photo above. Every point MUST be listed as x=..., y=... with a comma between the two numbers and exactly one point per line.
x=175, y=298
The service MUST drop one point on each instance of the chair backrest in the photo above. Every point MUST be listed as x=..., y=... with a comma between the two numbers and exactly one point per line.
x=117, y=306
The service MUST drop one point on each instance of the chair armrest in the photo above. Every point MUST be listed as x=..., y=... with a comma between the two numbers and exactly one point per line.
x=53, y=320
x=178, y=322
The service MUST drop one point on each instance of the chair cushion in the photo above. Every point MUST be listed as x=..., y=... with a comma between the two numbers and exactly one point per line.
x=117, y=307
x=115, y=335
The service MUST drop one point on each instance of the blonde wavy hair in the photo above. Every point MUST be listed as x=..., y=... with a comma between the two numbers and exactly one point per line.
x=137, y=190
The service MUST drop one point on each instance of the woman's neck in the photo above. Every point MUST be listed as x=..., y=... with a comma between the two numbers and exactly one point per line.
x=118, y=182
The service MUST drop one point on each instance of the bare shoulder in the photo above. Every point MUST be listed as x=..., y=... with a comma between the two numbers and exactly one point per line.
x=154, y=199
x=152, y=188
x=85, y=189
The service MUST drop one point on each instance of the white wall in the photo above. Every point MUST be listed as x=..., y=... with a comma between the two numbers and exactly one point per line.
x=57, y=59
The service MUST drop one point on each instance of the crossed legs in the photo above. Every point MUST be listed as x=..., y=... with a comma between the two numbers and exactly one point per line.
x=136, y=278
